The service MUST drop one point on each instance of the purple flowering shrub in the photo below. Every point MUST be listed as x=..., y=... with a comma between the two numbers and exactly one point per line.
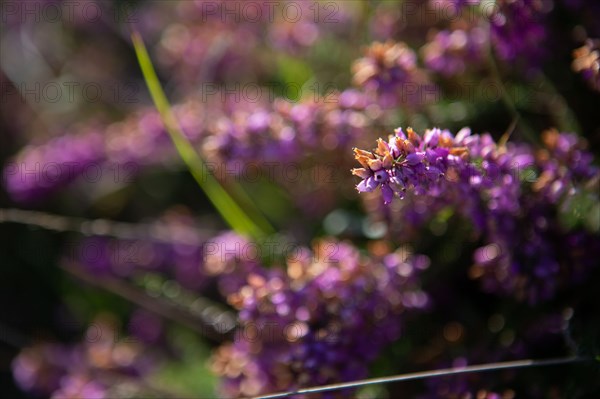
x=432, y=247
x=511, y=195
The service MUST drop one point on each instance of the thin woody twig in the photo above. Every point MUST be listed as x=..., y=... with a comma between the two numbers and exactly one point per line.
x=207, y=328
x=157, y=231
x=434, y=373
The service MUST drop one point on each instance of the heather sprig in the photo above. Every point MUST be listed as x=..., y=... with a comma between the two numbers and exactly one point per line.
x=38, y=170
x=512, y=194
x=322, y=320
x=388, y=72
x=407, y=161
x=473, y=162
x=229, y=135
x=453, y=52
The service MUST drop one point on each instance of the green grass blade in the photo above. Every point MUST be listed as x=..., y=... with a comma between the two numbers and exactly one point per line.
x=227, y=207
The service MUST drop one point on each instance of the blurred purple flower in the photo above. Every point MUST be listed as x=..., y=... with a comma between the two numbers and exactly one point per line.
x=454, y=52
x=586, y=61
x=322, y=322
x=518, y=28
x=389, y=72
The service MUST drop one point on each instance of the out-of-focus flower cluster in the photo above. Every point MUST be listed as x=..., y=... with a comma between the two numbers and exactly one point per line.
x=453, y=52
x=229, y=134
x=531, y=253
x=323, y=320
x=517, y=29
x=103, y=366
x=173, y=249
x=73, y=153
x=389, y=72
x=217, y=41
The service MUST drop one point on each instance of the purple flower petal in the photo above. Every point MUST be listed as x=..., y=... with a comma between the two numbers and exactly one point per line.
x=388, y=193
x=367, y=185
x=415, y=158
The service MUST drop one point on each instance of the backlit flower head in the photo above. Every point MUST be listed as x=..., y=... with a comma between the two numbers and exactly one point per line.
x=407, y=161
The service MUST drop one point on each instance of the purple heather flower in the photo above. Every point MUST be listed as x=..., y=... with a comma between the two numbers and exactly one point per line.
x=39, y=369
x=389, y=72
x=511, y=193
x=230, y=258
x=407, y=162
x=80, y=386
x=322, y=321
x=65, y=371
x=586, y=61
x=36, y=171
x=517, y=29
x=453, y=52
x=530, y=254
x=249, y=133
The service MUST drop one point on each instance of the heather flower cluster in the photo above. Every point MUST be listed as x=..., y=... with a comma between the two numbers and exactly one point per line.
x=512, y=195
x=105, y=366
x=408, y=162
x=454, y=52
x=52, y=165
x=228, y=134
x=389, y=73
x=517, y=29
x=175, y=250
x=532, y=253
x=322, y=320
